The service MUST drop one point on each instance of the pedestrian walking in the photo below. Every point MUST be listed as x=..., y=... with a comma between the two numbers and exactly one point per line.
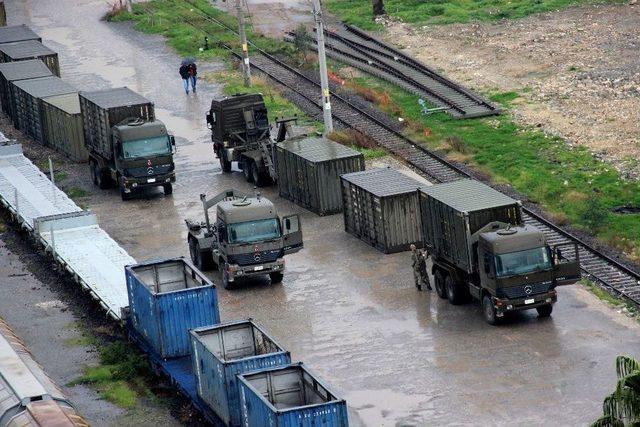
x=415, y=264
x=189, y=74
x=423, y=267
x=193, y=75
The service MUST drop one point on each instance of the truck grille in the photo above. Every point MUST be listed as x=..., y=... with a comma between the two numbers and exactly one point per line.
x=515, y=292
x=255, y=257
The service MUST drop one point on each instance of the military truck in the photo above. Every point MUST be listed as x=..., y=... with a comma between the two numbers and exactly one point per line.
x=481, y=248
x=127, y=146
x=247, y=238
x=241, y=133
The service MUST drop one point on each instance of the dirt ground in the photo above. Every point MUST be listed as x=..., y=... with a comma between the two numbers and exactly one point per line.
x=578, y=71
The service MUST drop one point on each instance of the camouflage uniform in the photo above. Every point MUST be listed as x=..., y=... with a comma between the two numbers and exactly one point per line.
x=422, y=267
x=417, y=263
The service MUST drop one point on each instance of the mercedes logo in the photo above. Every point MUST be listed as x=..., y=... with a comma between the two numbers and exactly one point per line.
x=256, y=257
x=150, y=171
x=528, y=289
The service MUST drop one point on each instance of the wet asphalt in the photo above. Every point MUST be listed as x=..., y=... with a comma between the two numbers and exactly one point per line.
x=352, y=314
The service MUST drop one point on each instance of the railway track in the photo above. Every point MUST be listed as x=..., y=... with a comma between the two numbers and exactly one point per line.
x=354, y=47
x=596, y=265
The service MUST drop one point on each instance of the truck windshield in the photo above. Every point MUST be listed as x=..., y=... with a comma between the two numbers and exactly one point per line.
x=146, y=147
x=254, y=231
x=523, y=262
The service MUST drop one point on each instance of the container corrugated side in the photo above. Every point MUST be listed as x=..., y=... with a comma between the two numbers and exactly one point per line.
x=314, y=185
x=447, y=231
x=63, y=126
x=98, y=122
x=258, y=410
x=390, y=223
x=216, y=375
x=13, y=71
x=165, y=318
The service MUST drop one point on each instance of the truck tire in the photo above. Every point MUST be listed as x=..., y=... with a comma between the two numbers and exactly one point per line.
x=225, y=275
x=225, y=164
x=94, y=172
x=455, y=293
x=168, y=189
x=202, y=260
x=544, y=310
x=276, y=277
x=440, y=284
x=489, y=310
x=246, y=170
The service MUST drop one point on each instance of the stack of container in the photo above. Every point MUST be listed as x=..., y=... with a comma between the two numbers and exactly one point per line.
x=28, y=98
x=309, y=172
x=381, y=207
x=222, y=352
x=62, y=122
x=14, y=71
x=30, y=49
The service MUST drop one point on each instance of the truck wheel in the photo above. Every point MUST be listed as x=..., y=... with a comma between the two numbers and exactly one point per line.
x=247, y=170
x=202, y=260
x=101, y=179
x=440, y=284
x=276, y=277
x=168, y=189
x=258, y=178
x=94, y=171
x=489, y=310
x=224, y=163
x=454, y=291
x=225, y=275
x=544, y=310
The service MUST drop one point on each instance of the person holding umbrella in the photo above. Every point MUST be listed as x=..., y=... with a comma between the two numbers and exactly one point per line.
x=188, y=72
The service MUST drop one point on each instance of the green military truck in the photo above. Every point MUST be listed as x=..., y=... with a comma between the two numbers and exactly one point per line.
x=241, y=133
x=247, y=238
x=127, y=146
x=480, y=247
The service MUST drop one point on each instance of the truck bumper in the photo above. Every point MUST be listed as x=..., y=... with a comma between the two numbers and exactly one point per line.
x=134, y=183
x=238, y=271
x=506, y=305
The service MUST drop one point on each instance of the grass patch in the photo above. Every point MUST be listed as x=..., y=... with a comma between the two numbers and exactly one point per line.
x=568, y=182
x=75, y=192
x=173, y=19
x=121, y=376
x=626, y=306
x=421, y=12
x=84, y=340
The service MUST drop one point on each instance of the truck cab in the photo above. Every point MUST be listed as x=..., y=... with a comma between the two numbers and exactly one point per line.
x=247, y=237
x=518, y=270
x=143, y=156
x=240, y=132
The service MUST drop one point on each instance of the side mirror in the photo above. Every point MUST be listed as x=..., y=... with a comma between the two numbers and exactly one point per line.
x=287, y=224
x=172, y=139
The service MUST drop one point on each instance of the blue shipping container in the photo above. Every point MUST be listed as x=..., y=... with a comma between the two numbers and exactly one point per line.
x=168, y=298
x=289, y=396
x=222, y=352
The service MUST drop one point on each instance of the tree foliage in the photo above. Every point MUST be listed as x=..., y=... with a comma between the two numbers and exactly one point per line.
x=622, y=407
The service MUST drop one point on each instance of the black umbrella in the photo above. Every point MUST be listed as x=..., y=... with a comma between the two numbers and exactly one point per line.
x=188, y=60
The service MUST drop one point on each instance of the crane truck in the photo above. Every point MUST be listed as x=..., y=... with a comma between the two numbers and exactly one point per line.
x=240, y=132
x=480, y=247
x=246, y=238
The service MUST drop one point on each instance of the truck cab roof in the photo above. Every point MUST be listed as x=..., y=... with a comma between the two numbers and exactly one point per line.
x=247, y=209
x=513, y=239
x=138, y=129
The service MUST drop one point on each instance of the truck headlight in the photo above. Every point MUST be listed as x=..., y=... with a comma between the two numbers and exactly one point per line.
x=135, y=184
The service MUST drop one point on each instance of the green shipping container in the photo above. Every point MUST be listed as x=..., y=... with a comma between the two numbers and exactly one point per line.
x=62, y=123
x=30, y=49
x=14, y=71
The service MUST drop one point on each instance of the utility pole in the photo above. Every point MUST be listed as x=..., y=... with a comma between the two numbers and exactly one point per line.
x=246, y=69
x=322, y=60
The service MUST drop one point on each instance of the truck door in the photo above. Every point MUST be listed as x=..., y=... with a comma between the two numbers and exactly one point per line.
x=291, y=234
x=566, y=264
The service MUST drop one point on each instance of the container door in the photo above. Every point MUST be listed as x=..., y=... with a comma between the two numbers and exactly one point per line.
x=292, y=234
x=566, y=264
